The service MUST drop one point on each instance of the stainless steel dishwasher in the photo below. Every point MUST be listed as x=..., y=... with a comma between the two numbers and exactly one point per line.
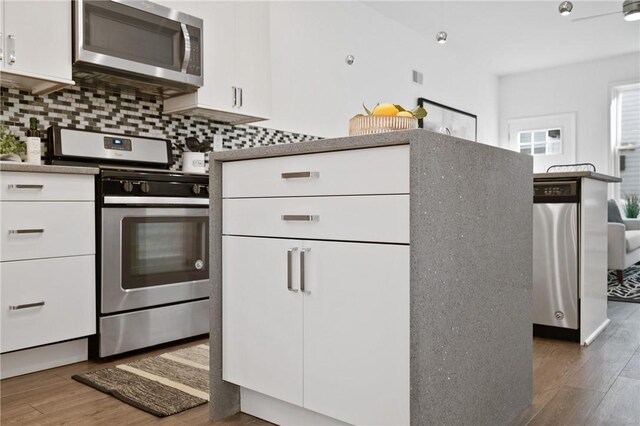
x=556, y=298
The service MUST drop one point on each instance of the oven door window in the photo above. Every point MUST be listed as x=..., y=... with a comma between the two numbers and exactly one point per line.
x=164, y=250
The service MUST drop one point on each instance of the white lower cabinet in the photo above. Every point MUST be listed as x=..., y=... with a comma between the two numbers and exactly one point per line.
x=46, y=300
x=47, y=270
x=320, y=324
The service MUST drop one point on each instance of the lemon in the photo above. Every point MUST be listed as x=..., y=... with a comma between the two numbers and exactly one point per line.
x=404, y=114
x=385, y=109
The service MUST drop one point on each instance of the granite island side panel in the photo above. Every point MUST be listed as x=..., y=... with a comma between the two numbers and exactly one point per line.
x=471, y=246
x=471, y=282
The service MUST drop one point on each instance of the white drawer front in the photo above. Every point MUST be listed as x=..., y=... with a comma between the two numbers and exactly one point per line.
x=22, y=186
x=360, y=218
x=67, y=288
x=364, y=171
x=48, y=229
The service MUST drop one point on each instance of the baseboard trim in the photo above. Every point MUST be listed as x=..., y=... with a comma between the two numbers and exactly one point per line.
x=42, y=358
x=595, y=334
x=281, y=412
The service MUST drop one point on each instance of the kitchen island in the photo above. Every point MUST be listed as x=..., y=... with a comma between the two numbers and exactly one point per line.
x=382, y=279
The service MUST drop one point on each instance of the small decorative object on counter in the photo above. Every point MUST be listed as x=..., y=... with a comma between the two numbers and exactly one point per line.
x=10, y=146
x=385, y=118
x=33, y=142
x=194, y=161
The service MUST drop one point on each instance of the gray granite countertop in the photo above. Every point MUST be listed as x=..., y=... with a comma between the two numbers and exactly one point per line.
x=571, y=175
x=37, y=168
x=323, y=145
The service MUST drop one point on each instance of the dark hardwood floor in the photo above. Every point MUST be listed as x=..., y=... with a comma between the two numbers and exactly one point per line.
x=572, y=385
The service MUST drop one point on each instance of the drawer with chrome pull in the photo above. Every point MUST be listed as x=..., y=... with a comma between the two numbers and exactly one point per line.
x=25, y=186
x=47, y=229
x=348, y=218
x=46, y=300
x=372, y=171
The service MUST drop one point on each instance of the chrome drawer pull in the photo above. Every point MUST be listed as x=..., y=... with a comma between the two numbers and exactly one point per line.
x=302, y=282
x=23, y=186
x=26, y=231
x=25, y=306
x=301, y=217
x=289, y=273
x=295, y=175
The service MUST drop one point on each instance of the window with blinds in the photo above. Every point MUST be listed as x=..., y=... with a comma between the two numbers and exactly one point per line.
x=628, y=139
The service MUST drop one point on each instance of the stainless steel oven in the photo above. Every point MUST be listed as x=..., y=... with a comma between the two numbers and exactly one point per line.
x=153, y=256
x=153, y=240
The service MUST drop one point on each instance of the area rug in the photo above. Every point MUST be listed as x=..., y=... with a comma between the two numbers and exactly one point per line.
x=629, y=290
x=162, y=385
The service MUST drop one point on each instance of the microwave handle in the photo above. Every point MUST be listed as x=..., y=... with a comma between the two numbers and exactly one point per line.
x=187, y=47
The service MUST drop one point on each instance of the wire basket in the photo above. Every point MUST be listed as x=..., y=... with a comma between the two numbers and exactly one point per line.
x=371, y=124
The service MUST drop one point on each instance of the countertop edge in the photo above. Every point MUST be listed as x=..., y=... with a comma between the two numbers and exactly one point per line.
x=569, y=175
x=403, y=137
x=38, y=168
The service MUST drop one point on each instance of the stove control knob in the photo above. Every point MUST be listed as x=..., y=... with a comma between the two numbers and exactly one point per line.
x=196, y=188
x=144, y=186
x=127, y=185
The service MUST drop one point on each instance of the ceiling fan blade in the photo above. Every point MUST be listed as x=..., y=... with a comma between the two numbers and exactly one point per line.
x=594, y=16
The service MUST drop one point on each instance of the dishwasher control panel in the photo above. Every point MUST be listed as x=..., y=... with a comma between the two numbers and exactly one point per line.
x=555, y=192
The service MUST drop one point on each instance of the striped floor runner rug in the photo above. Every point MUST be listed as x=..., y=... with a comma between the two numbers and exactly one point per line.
x=162, y=385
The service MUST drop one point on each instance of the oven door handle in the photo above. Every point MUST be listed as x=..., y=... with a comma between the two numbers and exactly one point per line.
x=181, y=201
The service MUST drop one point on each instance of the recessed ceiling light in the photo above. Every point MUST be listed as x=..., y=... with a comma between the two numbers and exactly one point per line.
x=631, y=10
x=565, y=8
x=441, y=37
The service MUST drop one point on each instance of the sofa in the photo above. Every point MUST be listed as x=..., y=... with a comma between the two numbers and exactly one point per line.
x=623, y=240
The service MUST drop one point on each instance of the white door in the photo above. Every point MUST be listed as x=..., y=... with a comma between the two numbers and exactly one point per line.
x=261, y=317
x=219, y=53
x=356, y=332
x=41, y=33
x=252, y=58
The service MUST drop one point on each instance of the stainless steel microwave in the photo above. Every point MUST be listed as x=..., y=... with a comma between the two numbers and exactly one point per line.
x=137, y=43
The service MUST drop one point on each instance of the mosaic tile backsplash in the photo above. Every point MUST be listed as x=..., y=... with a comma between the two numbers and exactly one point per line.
x=131, y=114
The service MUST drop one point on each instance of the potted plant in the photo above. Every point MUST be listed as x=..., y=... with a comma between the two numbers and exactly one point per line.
x=632, y=206
x=10, y=146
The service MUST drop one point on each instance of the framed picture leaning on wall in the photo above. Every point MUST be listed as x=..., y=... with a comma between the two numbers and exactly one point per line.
x=450, y=121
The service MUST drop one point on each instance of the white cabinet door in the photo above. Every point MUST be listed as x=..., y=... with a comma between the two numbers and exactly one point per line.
x=219, y=53
x=41, y=32
x=236, y=64
x=253, y=56
x=261, y=317
x=356, y=332
x=46, y=300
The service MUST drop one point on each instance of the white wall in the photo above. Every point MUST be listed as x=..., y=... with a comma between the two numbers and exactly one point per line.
x=583, y=88
x=315, y=92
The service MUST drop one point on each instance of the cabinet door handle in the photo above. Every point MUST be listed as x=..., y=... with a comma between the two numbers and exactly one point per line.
x=300, y=217
x=12, y=49
x=26, y=231
x=298, y=175
x=24, y=186
x=1, y=49
x=289, y=272
x=240, y=89
x=235, y=95
x=25, y=306
x=302, y=281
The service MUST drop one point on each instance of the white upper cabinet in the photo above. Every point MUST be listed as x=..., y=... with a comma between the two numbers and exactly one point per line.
x=237, y=77
x=36, y=45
